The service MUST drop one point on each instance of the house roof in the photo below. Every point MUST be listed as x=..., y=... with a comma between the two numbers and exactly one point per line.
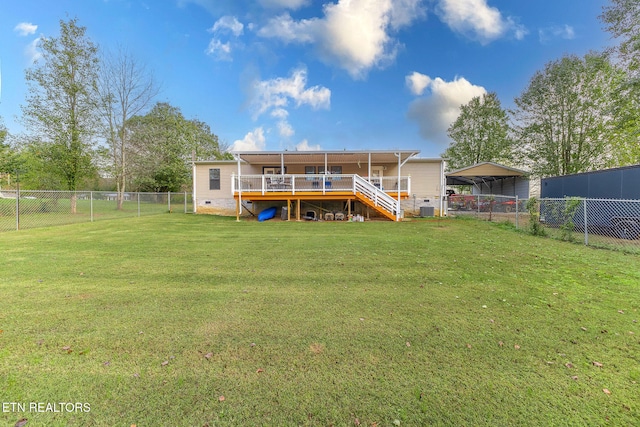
x=482, y=172
x=319, y=157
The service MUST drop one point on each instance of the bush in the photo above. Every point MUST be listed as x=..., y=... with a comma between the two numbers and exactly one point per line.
x=535, y=227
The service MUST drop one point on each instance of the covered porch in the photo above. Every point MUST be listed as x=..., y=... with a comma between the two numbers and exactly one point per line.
x=373, y=178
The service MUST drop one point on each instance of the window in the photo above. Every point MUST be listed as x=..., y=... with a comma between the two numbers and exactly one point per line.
x=332, y=170
x=214, y=179
x=273, y=170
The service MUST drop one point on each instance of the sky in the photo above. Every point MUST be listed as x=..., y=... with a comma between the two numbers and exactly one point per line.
x=314, y=75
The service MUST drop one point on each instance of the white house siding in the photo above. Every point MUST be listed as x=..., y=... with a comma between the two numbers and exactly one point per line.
x=426, y=185
x=218, y=202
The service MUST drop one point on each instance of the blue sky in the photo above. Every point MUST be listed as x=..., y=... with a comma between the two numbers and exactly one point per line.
x=303, y=74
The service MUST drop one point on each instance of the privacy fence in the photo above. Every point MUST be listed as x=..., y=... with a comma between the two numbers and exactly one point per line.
x=32, y=209
x=606, y=223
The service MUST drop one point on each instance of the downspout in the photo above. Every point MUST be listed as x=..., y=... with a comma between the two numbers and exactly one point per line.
x=398, y=189
x=443, y=184
x=195, y=204
x=239, y=185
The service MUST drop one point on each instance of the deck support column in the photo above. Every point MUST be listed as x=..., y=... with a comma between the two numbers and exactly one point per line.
x=238, y=209
x=298, y=210
x=288, y=209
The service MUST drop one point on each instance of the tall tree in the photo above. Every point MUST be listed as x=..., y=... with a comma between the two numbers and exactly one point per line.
x=479, y=134
x=125, y=89
x=162, y=145
x=566, y=116
x=622, y=20
x=6, y=154
x=60, y=108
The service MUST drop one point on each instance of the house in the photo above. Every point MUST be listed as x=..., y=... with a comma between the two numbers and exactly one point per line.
x=320, y=184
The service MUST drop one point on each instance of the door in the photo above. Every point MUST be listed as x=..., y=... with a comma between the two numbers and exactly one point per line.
x=377, y=173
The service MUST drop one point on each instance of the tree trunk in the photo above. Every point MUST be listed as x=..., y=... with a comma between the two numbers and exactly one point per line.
x=74, y=203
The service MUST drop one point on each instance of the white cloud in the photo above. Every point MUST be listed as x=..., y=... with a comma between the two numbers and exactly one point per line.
x=477, y=20
x=285, y=4
x=436, y=112
x=227, y=24
x=353, y=34
x=284, y=129
x=280, y=113
x=283, y=27
x=304, y=146
x=31, y=51
x=219, y=50
x=252, y=141
x=25, y=28
x=417, y=82
x=279, y=92
x=557, y=31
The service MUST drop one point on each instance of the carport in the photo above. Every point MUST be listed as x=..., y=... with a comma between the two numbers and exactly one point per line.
x=492, y=178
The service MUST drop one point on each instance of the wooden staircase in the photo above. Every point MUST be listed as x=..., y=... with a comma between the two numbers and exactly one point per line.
x=376, y=199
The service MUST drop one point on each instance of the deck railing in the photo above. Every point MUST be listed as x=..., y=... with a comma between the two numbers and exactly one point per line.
x=320, y=183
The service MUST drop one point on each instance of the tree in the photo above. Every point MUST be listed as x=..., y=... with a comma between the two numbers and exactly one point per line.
x=479, y=134
x=7, y=157
x=60, y=108
x=566, y=116
x=125, y=88
x=162, y=145
x=622, y=20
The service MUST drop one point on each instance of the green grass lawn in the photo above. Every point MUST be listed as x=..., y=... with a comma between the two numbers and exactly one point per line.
x=44, y=212
x=183, y=320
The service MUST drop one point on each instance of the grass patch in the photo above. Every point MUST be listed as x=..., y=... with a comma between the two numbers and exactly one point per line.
x=151, y=321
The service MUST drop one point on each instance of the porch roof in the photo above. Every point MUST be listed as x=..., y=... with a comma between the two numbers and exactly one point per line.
x=320, y=157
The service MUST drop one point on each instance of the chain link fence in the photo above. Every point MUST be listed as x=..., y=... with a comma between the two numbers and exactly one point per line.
x=605, y=223
x=488, y=207
x=32, y=209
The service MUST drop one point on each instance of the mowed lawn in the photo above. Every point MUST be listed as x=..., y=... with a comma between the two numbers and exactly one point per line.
x=183, y=320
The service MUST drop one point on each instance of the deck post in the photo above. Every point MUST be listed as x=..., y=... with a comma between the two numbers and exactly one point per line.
x=238, y=209
x=298, y=210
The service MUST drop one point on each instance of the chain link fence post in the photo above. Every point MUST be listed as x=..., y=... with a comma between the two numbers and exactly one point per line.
x=18, y=209
x=169, y=200
x=138, y=204
x=517, y=203
x=586, y=224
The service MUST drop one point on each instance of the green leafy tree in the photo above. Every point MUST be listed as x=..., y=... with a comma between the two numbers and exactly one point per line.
x=162, y=145
x=6, y=156
x=622, y=20
x=566, y=119
x=479, y=134
x=60, y=109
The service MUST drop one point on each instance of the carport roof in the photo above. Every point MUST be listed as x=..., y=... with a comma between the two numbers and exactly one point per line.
x=481, y=173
